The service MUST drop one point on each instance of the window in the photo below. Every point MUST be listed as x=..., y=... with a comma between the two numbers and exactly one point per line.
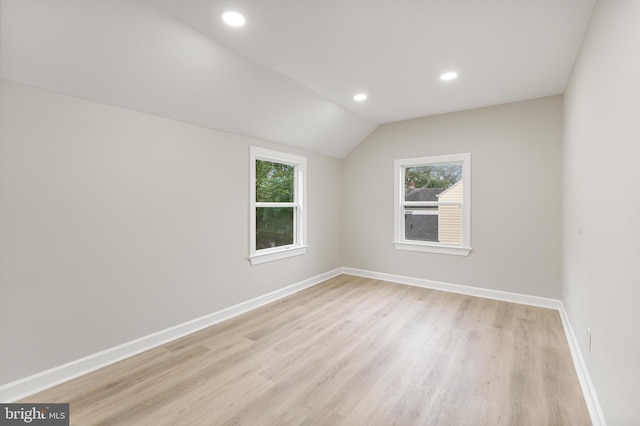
x=433, y=204
x=278, y=205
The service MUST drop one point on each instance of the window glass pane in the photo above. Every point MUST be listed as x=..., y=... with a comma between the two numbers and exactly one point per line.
x=426, y=183
x=274, y=227
x=421, y=224
x=274, y=182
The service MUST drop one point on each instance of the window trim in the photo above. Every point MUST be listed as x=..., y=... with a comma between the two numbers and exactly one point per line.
x=464, y=248
x=299, y=247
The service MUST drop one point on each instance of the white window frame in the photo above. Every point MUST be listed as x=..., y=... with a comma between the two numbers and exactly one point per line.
x=400, y=243
x=299, y=204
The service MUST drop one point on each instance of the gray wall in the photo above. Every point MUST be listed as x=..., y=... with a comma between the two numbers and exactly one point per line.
x=601, y=228
x=516, y=168
x=116, y=224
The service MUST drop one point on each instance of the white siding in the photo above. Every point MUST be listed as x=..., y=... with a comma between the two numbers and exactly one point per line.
x=450, y=226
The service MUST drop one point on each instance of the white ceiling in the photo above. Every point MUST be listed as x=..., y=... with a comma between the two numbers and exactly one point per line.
x=289, y=75
x=395, y=50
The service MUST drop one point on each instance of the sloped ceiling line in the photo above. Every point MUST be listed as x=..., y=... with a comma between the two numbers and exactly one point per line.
x=290, y=75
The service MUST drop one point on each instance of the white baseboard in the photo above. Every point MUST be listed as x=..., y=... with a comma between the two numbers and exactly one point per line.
x=38, y=382
x=588, y=390
x=506, y=296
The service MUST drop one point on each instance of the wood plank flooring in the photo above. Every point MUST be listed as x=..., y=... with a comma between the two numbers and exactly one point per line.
x=350, y=351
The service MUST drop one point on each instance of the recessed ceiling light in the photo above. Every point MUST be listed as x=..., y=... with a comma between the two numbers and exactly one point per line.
x=234, y=19
x=449, y=76
x=360, y=97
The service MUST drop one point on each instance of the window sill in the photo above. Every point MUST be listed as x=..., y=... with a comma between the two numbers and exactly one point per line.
x=270, y=255
x=432, y=248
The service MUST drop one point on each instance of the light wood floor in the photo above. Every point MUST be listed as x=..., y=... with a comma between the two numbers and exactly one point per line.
x=350, y=351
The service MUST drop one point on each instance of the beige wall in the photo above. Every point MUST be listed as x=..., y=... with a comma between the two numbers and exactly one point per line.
x=601, y=283
x=515, y=234
x=116, y=224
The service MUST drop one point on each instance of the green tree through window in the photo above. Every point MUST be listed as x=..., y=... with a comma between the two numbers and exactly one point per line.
x=436, y=176
x=274, y=184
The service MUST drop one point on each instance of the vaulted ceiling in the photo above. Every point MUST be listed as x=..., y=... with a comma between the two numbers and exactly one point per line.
x=289, y=75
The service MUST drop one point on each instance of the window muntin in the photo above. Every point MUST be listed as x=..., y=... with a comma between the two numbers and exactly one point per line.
x=432, y=211
x=278, y=215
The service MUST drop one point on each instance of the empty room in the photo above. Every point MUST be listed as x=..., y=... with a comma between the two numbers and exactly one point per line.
x=337, y=212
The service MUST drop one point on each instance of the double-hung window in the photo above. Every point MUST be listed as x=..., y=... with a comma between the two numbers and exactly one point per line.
x=433, y=204
x=278, y=205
